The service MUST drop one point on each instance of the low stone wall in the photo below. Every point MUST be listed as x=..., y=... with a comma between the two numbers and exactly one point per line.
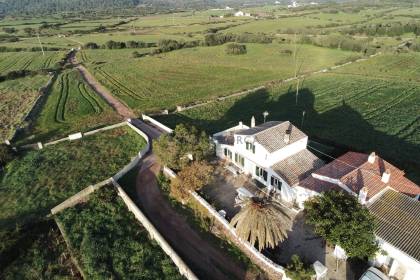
x=154, y=234
x=158, y=124
x=79, y=197
x=104, y=128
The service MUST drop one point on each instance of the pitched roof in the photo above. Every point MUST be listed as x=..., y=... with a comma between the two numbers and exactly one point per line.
x=271, y=134
x=317, y=185
x=297, y=167
x=356, y=172
x=398, y=218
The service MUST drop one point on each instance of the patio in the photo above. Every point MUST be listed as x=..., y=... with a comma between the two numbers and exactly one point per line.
x=302, y=241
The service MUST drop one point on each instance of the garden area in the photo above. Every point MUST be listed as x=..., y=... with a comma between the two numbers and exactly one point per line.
x=108, y=242
x=38, y=180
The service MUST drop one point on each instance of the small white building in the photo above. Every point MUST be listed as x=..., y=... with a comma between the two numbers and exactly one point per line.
x=273, y=153
x=241, y=14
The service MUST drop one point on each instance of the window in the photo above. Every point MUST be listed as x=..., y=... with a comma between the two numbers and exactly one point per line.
x=276, y=182
x=239, y=160
x=250, y=147
x=227, y=153
x=260, y=172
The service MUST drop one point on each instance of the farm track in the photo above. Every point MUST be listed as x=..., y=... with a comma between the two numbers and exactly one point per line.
x=118, y=106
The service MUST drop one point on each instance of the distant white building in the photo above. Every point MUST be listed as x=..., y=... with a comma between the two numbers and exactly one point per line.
x=227, y=8
x=293, y=5
x=242, y=14
x=273, y=153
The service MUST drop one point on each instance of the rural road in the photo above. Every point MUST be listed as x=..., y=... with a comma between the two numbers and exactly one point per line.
x=118, y=106
x=206, y=260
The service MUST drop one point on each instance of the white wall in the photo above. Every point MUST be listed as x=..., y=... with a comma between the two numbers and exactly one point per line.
x=403, y=264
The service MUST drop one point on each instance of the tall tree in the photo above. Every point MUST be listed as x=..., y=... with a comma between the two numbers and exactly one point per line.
x=262, y=220
x=342, y=220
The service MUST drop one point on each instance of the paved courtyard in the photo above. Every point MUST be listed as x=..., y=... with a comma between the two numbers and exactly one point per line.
x=301, y=239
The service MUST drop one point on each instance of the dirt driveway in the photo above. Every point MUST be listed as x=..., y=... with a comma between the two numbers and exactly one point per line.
x=206, y=260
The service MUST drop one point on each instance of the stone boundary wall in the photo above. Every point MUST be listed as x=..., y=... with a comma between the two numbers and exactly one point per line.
x=154, y=234
x=66, y=239
x=79, y=197
x=257, y=257
x=158, y=124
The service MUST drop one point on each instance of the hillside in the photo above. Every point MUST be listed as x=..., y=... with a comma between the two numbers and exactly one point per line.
x=30, y=7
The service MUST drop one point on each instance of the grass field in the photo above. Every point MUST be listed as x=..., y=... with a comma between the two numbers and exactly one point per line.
x=193, y=75
x=38, y=180
x=361, y=112
x=71, y=106
x=109, y=242
x=12, y=61
x=16, y=100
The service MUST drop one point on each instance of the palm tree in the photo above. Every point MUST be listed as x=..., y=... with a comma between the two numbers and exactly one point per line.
x=262, y=219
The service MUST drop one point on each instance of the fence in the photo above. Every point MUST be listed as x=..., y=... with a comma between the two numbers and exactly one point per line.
x=265, y=263
x=158, y=124
x=154, y=234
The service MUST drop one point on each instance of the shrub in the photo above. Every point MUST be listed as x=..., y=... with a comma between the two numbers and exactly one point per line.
x=6, y=155
x=235, y=49
x=91, y=45
x=297, y=270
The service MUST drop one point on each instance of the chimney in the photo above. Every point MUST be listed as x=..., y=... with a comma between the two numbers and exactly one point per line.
x=241, y=124
x=253, y=121
x=363, y=195
x=386, y=176
x=372, y=158
x=287, y=137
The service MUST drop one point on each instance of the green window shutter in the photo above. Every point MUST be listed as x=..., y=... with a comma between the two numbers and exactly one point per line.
x=253, y=148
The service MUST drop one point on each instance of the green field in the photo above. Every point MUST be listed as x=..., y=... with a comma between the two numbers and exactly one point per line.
x=39, y=180
x=192, y=75
x=16, y=100
x=109, y=243
x=71, y=106
x=363, y=112
x=13, y=61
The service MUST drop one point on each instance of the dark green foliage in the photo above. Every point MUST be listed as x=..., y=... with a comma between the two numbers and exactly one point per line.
x=9, y=29
x=35, y=252
x=172, y=149
x=114, y=45
x=214, y=39
x=235, y=49
x=297, y=270
x=341, y=219
x=167, y=45
x=111, y=244
x=91, y=45
x=385, y=29
x=6, y=155
x=337, y=42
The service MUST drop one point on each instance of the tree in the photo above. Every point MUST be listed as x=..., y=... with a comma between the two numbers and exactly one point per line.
x=192, y=178
x=340, y=219
x=297, y=270
x=262, y=220
x=234, y=48
x=174, y=149
x=6, y=154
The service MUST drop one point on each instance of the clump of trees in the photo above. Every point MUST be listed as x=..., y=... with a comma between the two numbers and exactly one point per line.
x=120, y=45
x=214, y=39
x=385, y=29
x=297, y=270
x=340, y=219
x=337, y=41
x=235, y=49
x=186, y=143
x=167, y=45
x=13, y=75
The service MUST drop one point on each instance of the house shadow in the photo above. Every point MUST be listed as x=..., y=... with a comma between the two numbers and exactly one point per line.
x=334, y=131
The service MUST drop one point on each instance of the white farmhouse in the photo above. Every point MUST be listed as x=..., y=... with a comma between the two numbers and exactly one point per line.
x=274, y=153
x=241, y=14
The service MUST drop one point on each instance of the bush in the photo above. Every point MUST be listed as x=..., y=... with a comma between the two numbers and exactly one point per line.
x=297, y=270
x=115, y=45
x=235, y=49
x=91, y=45
x=6, y=155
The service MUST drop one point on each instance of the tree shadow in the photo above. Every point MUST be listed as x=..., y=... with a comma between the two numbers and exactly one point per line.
x=341, y=127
